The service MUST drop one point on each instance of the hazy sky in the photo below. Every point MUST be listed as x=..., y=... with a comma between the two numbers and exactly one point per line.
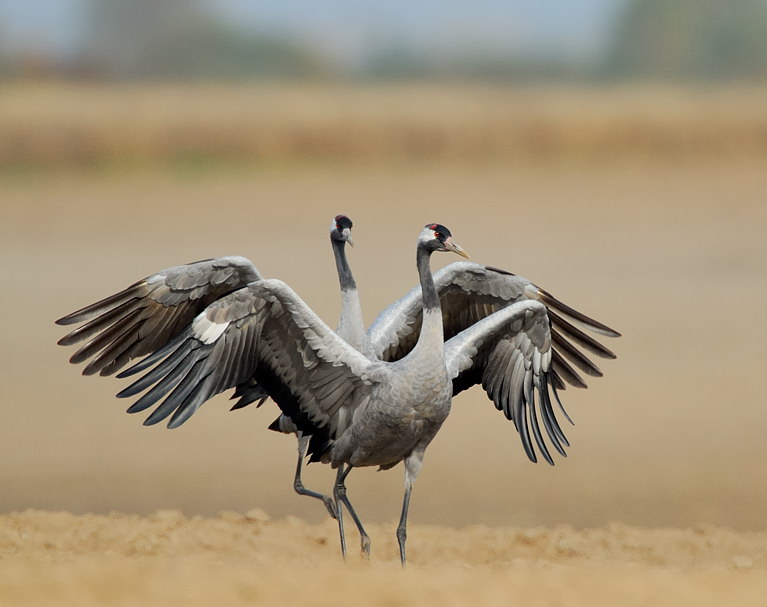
x=345, y=26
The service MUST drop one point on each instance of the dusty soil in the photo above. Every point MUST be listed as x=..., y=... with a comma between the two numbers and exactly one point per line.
x=234, y=559
x=660, y=501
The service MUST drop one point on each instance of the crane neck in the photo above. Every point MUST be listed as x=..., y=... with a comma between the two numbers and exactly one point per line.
x=345, y=277
x=432, y=332
x=351, y=325
x=428, y=290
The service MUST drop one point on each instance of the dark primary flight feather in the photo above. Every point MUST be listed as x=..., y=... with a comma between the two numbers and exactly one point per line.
x=266, y=332
x=144, y=317
x=510, y=353
x=470, y=292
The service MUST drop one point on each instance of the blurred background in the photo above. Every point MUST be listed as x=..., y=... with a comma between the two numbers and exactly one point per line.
x=494, y=41
x=612, y=151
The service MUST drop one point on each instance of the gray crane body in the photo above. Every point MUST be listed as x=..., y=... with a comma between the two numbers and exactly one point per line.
x=405, y=410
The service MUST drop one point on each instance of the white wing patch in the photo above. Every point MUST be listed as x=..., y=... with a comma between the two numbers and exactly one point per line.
x=207, y=331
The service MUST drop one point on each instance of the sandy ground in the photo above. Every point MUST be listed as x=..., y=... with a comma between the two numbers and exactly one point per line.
x=234, y=559
x=661, y=500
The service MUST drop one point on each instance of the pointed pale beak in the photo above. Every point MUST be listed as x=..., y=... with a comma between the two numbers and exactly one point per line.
x=347, y=234
x=455, y=248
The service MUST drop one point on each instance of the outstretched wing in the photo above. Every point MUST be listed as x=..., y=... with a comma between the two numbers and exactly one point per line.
x=510, y=353
x=266, y=332
x=470, y=292
x=149, y=313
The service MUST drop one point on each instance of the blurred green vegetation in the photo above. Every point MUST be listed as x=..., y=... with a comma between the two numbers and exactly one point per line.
x=181, y=39
x=685, y=40
x=690, y=39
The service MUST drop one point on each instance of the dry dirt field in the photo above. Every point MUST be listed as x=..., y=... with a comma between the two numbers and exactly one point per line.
x=52, y=558
x=661, y=500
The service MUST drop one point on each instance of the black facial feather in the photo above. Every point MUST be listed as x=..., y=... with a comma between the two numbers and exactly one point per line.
x=440, y=231
x=343, y=222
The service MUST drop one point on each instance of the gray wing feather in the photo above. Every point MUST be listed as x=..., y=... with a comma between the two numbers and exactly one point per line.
x=510, y=354
x=149, y=313
x=395, y=330
x=470, y=292
x=263, y=331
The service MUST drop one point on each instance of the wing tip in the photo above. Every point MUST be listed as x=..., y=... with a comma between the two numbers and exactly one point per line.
x=593, y=325
x=67, y=340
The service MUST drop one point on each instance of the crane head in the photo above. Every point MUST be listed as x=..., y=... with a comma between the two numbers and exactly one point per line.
x=341, y=229
x=438, y=238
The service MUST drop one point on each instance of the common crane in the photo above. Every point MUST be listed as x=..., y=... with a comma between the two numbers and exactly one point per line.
x=368, y=412
x=149, y=313
x=470, y=294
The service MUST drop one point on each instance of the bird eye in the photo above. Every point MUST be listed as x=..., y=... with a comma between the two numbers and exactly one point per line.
x=438, y=235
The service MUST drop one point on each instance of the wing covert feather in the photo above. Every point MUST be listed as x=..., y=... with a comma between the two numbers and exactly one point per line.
x=265, y=332
x=470, y=292
x=149, y=313
x=510, y=354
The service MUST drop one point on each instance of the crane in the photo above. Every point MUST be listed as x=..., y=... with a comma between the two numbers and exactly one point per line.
x=358, y=411
x=469, y=295
x=146, y=315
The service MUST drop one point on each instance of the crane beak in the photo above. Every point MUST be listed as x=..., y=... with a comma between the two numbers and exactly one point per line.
x=347, y=234
x=455, y=248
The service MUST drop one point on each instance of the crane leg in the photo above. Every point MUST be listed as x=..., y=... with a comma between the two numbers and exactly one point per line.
x=298, y=485
x=402, y=527
x=412, y=468
x=339, y=492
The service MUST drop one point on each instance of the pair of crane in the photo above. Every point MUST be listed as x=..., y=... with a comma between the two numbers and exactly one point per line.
x=353, y=397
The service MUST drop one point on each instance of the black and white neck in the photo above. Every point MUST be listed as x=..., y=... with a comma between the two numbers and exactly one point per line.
x=351, y=325
x=345, y=277
x=432, y=333
x=428, y=290
x=434, y=237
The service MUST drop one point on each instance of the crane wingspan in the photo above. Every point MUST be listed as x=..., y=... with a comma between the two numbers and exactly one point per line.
x=470, y=292
x=510, y=354
x=266, y=332
x=148, y=314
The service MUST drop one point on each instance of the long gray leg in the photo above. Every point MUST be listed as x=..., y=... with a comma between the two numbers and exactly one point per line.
x=339, y=511
x=298, y=485
x=339, y=493
x=412, y=468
